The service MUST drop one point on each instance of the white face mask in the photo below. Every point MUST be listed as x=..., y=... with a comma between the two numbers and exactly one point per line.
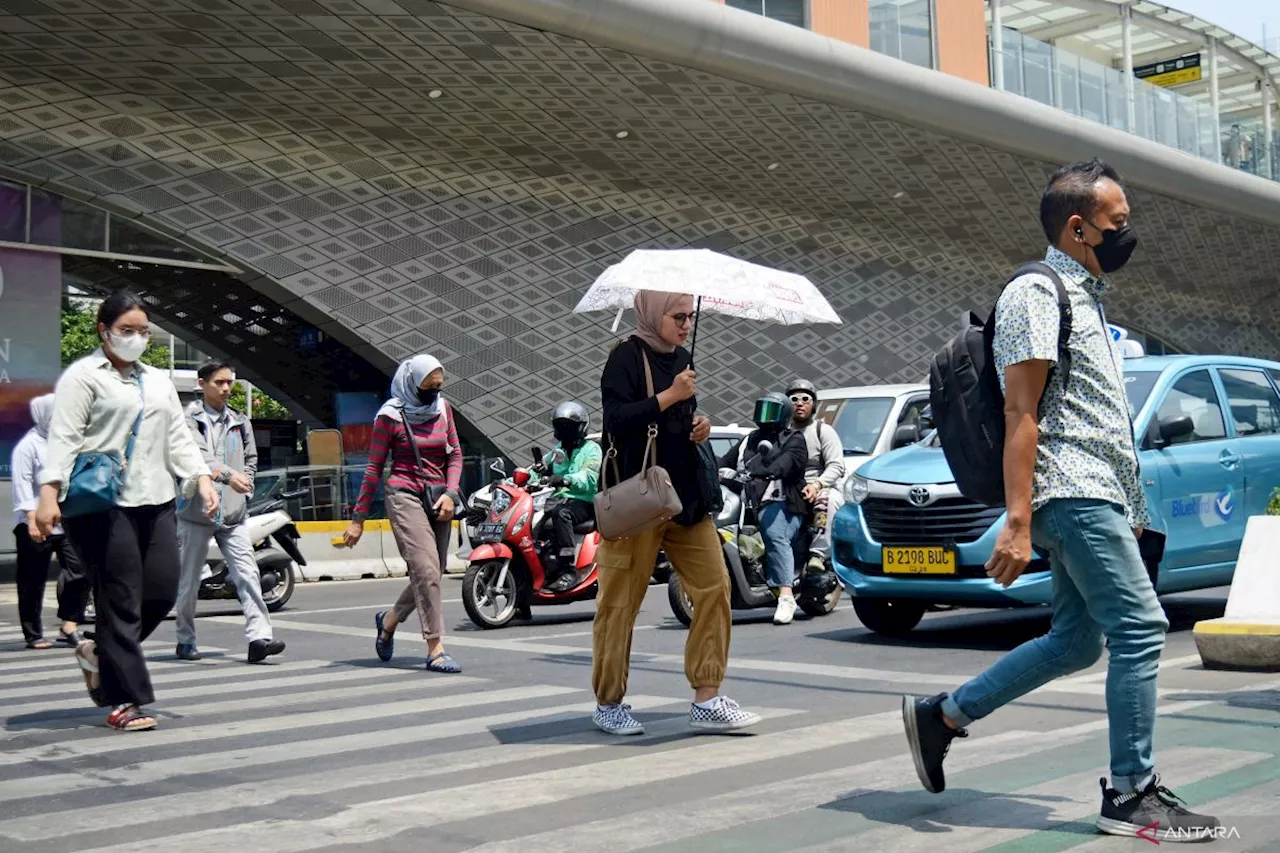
x=127, y=348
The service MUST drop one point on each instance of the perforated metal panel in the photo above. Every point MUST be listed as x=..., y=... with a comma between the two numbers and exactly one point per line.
x=301, y=141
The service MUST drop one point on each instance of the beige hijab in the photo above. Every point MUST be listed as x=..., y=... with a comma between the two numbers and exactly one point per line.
x=650, y=307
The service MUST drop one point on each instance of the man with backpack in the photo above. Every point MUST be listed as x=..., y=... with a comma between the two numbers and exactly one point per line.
x=1032, y=415
x=824, y=470
x=225, y=437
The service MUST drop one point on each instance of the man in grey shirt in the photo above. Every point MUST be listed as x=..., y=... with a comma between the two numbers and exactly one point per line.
x=225, y=437
x=824, y=470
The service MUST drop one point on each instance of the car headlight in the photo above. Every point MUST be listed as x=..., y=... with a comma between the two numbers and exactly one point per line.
x=520, y=523
x=856, y=489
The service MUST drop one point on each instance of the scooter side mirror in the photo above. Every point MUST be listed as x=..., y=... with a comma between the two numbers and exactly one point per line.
x=498, y=468
x=537, y=454
x=557, y=456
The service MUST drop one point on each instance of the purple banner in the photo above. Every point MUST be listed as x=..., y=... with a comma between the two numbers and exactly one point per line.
x=30, y=355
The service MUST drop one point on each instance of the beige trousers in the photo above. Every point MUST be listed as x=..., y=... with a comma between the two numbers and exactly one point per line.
x=424, y=546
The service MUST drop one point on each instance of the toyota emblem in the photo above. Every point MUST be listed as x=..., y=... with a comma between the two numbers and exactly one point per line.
x=919, y=496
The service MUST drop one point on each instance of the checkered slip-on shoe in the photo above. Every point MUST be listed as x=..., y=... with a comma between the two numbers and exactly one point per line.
x=721, y=714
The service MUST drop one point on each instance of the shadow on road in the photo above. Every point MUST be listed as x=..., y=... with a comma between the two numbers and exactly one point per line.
x=966, y=808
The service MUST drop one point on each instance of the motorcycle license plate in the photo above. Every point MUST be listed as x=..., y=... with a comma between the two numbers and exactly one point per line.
x=919, y=561
x=491, y=530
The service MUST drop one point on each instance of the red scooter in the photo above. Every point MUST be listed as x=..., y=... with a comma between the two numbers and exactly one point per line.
x=505, y=576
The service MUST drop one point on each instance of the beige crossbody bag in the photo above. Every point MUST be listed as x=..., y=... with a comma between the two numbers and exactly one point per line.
x=638, y=503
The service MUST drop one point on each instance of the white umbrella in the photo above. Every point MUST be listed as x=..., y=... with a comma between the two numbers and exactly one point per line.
x=720, y=283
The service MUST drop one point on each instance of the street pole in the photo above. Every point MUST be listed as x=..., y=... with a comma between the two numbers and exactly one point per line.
x=1126, y=33
x=997, y=45
x=1214, y=99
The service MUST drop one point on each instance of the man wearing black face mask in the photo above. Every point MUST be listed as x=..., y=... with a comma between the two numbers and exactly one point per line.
x=1072, y=485
x=576, y=477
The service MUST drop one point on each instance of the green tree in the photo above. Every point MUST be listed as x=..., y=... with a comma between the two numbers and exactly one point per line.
x=80, y=337
x=264, y=407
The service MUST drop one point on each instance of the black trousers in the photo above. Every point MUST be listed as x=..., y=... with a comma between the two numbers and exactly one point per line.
x=564, y=514
x=32, y=574
x=131, y=556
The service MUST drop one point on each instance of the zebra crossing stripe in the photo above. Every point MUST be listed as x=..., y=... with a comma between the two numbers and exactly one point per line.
x=262, y=793
x=49, y=659
x=109, y=741
x=167, y=708
x=380, y=819
x=241, y=759
x=71, y=683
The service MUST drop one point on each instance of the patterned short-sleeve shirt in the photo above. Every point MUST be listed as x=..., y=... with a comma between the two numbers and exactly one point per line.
x=1086, y=445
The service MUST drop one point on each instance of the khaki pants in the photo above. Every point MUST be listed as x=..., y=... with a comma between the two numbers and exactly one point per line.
x=625, y=569
x=424, y=546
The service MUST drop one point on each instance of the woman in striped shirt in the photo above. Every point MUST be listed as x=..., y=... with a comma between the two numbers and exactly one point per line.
x=421, y=493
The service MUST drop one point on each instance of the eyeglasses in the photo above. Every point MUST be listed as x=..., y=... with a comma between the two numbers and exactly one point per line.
x=128, y=330
x=683, y=318
x=801, y=398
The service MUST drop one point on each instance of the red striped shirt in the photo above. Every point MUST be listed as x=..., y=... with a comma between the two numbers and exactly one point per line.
x=438, y=445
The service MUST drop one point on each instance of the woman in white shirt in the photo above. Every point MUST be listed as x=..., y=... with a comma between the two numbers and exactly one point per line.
x=130, y=551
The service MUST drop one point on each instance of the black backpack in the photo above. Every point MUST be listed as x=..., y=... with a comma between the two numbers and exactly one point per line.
x=968, y=405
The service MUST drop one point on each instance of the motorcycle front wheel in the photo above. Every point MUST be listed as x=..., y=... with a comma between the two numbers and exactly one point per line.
x=280, y=593
x=489, y=604
x=681, y=604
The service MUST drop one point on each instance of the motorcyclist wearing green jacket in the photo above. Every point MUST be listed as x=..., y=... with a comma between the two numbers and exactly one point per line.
x=575, y=474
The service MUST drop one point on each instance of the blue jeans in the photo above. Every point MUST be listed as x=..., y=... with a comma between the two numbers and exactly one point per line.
x=779, y=528
x=1100, y=588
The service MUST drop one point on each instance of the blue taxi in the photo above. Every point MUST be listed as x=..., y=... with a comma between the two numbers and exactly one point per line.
x=1208, y=432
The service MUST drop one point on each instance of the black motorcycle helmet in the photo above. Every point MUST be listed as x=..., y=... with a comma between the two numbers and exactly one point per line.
x=570, y=423
x=773, y=412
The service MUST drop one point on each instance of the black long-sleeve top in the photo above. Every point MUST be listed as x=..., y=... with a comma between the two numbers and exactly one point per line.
x=629, y=409
x=786, y=461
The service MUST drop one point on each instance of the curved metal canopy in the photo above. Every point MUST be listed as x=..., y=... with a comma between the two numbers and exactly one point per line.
x=1093, y=28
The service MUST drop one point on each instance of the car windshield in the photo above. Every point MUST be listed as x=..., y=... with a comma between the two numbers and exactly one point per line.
x=1137, y=387
x=720, y=445
x=858, y=421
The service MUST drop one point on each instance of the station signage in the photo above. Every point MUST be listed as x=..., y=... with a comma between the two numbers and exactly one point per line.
x=1171, y=72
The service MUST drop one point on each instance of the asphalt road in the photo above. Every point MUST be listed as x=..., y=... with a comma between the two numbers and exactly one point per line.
x=328, y=749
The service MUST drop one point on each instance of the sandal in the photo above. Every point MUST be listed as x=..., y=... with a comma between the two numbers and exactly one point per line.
x=385, y=648
x=87, y=658
x=72, y=640
x=443, y=663
x=39, y=643
x=130, y=718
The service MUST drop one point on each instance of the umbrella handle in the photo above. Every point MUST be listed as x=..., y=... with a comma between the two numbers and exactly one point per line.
x=693, y=344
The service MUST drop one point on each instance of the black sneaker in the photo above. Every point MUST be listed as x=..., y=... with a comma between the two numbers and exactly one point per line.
x=1154, y=814
x=185, y=651
x=929, y=739
x=260, y=650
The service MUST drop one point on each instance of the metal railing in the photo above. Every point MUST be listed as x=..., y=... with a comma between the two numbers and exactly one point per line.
x=1091, y=90
x=329, y=492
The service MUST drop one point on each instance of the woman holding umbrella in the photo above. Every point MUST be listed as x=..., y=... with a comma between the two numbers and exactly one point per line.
x=663, y=322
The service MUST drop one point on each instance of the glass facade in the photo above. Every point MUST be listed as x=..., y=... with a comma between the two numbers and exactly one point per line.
x=1095, y=91
x=903, y=29
x=1244, y=147
x=787, y=11
x=30, y=215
